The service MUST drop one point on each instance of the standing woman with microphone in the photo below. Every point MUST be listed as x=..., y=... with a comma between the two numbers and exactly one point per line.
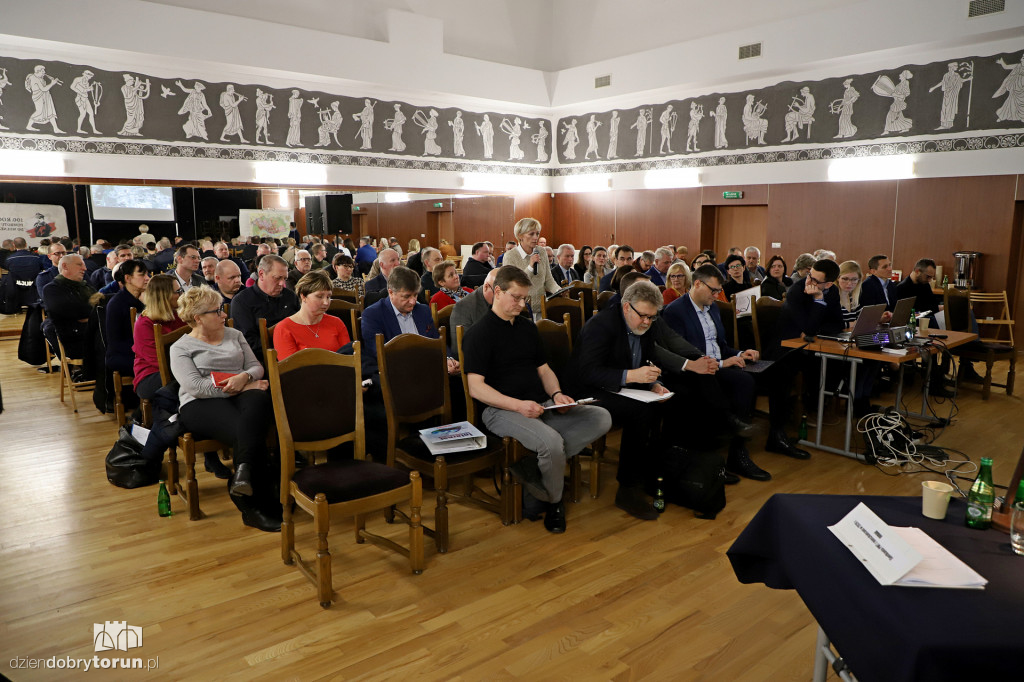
x=534, y=260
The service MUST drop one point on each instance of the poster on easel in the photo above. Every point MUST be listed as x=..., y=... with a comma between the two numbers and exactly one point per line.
x=266, y=222
x=33, y=222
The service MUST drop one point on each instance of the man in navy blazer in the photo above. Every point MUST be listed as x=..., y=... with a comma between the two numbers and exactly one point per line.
x=878, y=286
x=388, y=259
x=696, y=317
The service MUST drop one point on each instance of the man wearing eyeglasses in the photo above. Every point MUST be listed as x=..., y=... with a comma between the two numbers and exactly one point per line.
x=303, y=264
x=508, y=372
x=268, y=299
x=55, y=253
x=185, y=270
x=919, y=284
x=618, y=348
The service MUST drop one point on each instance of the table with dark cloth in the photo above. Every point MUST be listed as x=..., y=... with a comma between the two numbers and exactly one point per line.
x=889, y=634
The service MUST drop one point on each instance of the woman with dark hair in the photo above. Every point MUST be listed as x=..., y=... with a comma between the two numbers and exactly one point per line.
x=776, y=283
x=236, y=409
x=583, y=261
x=311, y=327
x=699, y=260
x=598, y=267
x=344, y=266
x=736, y=276
x=133, y=276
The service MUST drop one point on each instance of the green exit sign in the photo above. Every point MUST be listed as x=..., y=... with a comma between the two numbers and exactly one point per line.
x=439, y=204
x=355, y=208
x=732, y=195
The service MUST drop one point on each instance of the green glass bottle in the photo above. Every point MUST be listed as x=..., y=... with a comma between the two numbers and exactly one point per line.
x=163, y=501
x=912, y=322
x=981, y=497
x=802, y=433
x=1017, y=521
x=945, y=281
x=659, y=495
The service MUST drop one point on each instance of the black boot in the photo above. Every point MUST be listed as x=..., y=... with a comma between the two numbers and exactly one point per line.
x=254, y=516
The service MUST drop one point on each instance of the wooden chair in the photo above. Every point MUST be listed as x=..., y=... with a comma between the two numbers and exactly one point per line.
x=315, y=421
x=66, y=382
x=227, y=311
x=349, y=312
x=557, y=307
x=414, y=380
x=46, y=345
x=266, y=339
x=728, y=312
x=603, y=299
x=764, y=317
x=583, y=292
x=991, y=301
x=957, y=309
x=189, y=492
x=442, y=317
x=345, y=294
x=511, y=492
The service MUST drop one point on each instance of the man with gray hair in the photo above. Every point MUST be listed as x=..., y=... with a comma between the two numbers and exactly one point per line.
x=69, y=301
x=303, y=264
x=209, y=266
x=388, y=260
x=562, y=270
x=663, y=258
x=614, y=350
x=268, y=299
x=752, y=256
x=429, y=259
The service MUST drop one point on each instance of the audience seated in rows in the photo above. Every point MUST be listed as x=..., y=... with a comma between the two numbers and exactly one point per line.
x=69, y=301
x=303, y=264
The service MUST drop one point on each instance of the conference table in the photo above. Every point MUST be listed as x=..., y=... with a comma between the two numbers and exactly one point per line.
x=890, y=634
x=835, y=351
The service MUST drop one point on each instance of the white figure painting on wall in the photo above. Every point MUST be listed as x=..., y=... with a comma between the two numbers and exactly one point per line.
x=88, y=95
x=264, y=103
x=429, y=126
x=668, y=120
x=540, y=138
x=800, y=114
x=592, y=125
x=330, y=123
x=44, y=112
x=229, y=101
x=294, y=138
x=458, y=126
x=895, y=121
x=844, y=107
x=644, y=118
x=365, y=118
x=754, y=126
x=485, y=129
x=514, y=130
x=135, y=92
x=396, y=124
x=721, y=116
x=1013, y=87
x=4, y=82
x=196, y=108
x=570, y=138
x=613, y=136
x=693, y=126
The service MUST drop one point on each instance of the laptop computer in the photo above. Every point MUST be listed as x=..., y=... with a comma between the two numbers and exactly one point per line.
x=901, y=313
x=867, y=323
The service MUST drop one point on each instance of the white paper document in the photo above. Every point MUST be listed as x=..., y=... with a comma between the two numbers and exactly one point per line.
x=902, y=556
x=457, y=437
x=644, y=395
x=745, y=300
x=581, y=401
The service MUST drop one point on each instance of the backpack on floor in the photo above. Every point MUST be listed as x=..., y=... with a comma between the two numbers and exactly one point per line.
x=694, y=479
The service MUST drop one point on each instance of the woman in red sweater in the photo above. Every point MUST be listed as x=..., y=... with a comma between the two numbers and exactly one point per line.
x=447, y=278
x=161, y=300
x=311, y=327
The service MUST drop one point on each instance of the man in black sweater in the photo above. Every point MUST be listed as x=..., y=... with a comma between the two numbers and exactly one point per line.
x=919, y=284
x=476, y=268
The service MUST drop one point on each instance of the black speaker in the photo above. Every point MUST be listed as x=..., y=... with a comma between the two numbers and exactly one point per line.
x=314, y=217
x=337, y=213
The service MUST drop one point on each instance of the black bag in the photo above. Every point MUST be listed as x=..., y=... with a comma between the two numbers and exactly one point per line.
x=694, y=479
x=126, y=467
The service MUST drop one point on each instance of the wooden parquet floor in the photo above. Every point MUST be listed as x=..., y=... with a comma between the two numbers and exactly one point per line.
x=613, y=598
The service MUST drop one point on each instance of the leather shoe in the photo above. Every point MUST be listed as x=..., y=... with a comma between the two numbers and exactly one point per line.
x=213, y=465
x=728, y=478
x=527, y=473
x=241, y=482
x=738, y=426
x=554, y=519
x=778, y=443
x=635, y=502
x=261, y=520
x=739, y=462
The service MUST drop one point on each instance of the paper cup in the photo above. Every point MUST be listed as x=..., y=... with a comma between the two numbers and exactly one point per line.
x=922, y=325
x=935, y=499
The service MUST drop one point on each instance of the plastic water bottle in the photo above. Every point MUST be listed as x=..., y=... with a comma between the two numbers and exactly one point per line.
x=659, y=495
x=1017, y=521
x=163, y=501
x=981, y=497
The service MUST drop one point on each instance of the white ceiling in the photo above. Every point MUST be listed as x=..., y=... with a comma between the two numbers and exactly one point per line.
x=549, y=35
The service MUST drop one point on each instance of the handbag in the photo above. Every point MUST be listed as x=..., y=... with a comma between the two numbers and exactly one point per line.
x=126, y=467
x=694, y=479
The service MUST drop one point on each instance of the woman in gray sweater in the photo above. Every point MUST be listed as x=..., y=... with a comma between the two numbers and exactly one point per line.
x=235, y=410
x=536, y=266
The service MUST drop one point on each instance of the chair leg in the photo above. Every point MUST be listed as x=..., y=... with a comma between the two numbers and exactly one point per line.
x=415, y=525
x=192, y=488
x=172, y=471
x=359, y=525
x=986, y=388
x=147, y=414
x=322, y=520
x=595, y=466
x=1011, y=374
x=287, y=532
x=441, y=510
x=575, y=474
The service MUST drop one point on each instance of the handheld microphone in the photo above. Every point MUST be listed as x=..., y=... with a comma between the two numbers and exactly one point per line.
x=536, y=252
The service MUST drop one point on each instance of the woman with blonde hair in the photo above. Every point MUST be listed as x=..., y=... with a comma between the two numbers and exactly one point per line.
x=222, y=395
x=679, y=281
x=535, y=265
x=161, y=300
x=849, y=284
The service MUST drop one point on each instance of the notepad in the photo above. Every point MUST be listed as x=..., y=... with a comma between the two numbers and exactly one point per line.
x=644, y=395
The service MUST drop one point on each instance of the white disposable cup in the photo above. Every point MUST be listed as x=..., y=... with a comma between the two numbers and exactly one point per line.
x=935, y=499
x=922, y=325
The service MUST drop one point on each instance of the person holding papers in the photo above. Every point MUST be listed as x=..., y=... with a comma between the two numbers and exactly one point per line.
x=615, y=351
x=698, y=320
x=506, y=370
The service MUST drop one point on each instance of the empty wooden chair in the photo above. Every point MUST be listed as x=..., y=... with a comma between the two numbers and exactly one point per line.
x=957, y=311
x=557, y=307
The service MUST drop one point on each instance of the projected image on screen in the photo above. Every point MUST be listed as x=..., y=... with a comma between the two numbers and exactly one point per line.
x=124, y=202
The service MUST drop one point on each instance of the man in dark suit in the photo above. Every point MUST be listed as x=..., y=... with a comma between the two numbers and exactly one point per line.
x=696, y=317
x=663, y=258
x=615, y=349
x=623, y=257
x=388, y=260
x=878, y=287
x=562, y=270
x=223, y=252
x=476, y=268
x=812, y=305
x=69, y=301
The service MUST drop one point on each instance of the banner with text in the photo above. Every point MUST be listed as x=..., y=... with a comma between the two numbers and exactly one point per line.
x=34, y=222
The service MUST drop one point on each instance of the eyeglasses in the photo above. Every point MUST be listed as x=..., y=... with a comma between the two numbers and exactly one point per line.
x=218, y=311
x=736, y=266
x=643, y=318
x=520, y=300
x=820, y=285
x=715, y=291
x=680, y=275
x=303, y=260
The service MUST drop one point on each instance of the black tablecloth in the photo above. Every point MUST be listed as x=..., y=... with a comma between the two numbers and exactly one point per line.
x=889, y=634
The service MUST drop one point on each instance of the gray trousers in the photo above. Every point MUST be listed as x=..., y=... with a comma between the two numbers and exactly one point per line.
x=554, y=437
